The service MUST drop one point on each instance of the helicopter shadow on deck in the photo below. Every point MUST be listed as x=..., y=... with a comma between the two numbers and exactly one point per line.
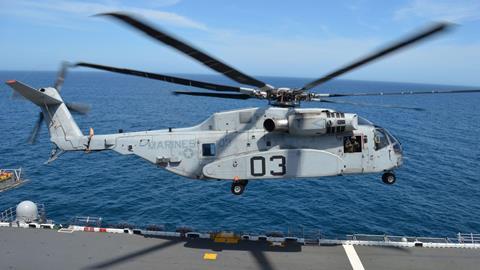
x=132, y=255
x=256, y=249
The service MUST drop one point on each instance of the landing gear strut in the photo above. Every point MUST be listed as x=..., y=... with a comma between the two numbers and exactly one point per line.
x=389, y=178
x=238, y=186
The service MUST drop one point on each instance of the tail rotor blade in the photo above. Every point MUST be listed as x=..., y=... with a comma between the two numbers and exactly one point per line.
x=32, y=139
x=61, y=76
x=80, y=108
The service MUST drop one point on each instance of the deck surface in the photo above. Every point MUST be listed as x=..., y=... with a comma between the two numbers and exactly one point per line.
x=48, y=249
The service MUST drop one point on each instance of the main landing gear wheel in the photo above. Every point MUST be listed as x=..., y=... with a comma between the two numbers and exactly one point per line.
x=238, y=187
x=389, y=178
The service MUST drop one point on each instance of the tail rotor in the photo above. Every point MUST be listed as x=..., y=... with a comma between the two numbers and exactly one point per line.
x=75, y=107
x=36, y=129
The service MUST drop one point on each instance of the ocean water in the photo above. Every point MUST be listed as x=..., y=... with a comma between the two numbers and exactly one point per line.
x=437, y=191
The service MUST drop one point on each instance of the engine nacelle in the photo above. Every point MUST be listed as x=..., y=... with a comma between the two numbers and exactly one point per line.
x=275, y=124
x=313, y=123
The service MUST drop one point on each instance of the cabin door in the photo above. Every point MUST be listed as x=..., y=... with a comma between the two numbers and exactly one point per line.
x=355, y=153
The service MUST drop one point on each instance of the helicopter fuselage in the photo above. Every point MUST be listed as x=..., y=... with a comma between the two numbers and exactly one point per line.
x=235, y=145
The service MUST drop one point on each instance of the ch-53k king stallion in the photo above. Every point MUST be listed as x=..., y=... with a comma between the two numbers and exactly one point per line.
x=281, y=141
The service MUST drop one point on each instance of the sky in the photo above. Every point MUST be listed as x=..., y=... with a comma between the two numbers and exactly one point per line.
x=261, y=38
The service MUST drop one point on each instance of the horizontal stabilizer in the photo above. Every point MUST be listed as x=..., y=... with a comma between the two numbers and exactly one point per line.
x=32, y=94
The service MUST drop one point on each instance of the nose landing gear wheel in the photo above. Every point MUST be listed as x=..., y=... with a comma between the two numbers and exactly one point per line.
x=238, y=187
x=389, y=178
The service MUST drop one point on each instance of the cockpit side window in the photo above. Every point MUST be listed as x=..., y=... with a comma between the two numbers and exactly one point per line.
x=380, y=139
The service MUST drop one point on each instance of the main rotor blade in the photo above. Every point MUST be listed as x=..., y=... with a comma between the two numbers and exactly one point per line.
x=161, y=77
x=80, y=108
x=36, y=129
x=426, y=92
x=371, y=104
x=219, y=95
x=189, y=50
x=439, y=27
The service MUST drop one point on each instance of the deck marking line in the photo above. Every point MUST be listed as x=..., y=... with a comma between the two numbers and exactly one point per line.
x=353, y=257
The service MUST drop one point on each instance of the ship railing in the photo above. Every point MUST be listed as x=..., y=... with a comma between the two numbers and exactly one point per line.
x=468, y=238
x=15, y=180
x=42, y=213
x=10, y=214
x=397, y=238
x=17, y=173
x=87, y=221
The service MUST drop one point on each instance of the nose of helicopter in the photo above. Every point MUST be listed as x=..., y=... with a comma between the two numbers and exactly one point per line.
x=398, y=155
x=397, y=149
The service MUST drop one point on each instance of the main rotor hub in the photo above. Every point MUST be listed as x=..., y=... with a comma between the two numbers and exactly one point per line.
x=287, y=97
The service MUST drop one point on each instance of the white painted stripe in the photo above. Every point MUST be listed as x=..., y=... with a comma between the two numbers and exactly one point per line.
x=353, y=257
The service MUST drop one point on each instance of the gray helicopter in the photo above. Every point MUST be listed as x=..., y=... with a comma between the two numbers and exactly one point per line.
x=281, y=141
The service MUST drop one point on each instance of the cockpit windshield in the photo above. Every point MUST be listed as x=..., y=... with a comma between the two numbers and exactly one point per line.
x=396, y=143
x=382, y=138
x=390, y=137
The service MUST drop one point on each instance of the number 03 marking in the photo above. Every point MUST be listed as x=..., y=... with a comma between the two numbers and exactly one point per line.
x=252, y=166
x=282, y=167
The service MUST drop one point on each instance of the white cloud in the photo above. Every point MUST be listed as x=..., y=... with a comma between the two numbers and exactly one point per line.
x=169, y=17
x=450, y=10
x=60, y=9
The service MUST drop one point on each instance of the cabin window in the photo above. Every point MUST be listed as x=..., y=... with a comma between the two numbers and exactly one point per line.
x=380, y=139
x=352, y=144
x=208, y=149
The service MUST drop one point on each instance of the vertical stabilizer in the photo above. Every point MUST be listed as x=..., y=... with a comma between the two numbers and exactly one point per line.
x=63, y=129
